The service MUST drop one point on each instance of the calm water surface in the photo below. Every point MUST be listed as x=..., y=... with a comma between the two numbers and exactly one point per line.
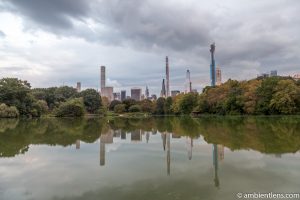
x=141, y=159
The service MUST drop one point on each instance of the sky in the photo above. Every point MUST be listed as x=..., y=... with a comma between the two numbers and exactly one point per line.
x=61, y=42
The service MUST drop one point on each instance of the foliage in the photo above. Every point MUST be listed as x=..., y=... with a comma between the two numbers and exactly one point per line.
x=128, y=103
x=8, y=111
x=113, y=104
x=160, y=106
x=70, y=108
x=120, y=108
x=91, y=100
x=147, y=106
x=135, y=108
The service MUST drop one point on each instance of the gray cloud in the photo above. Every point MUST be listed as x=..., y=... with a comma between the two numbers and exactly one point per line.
x=2, y=34
x=252, y=37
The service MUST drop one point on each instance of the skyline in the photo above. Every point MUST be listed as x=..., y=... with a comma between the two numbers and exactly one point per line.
x=64, y=42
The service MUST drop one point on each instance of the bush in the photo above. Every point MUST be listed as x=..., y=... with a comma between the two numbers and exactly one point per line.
x=135, y=108
x=113, y=104
x=8, y=111
x=120, y=108
x=70, y=108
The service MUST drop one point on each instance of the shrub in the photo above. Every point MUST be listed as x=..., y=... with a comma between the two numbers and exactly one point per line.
x=120, y=108
x=135, y=108
x=8, y=111
x=70, y=108
x=113, y=104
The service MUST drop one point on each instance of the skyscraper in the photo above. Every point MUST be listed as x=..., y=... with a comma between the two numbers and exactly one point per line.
x=78, y=87
x=188, y=83
x=218, y=76
x=102, y=75
x=174, y=93
x=167, y=78
x=123, y=95
x=212, y=65
x=147, y=92
x=136, y=93
x=163, y=89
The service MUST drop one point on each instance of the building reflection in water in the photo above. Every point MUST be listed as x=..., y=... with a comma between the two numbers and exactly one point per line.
x=164, y=140
x=147, y=136
x=104, y=139
x=189, y=146
x=216, y=165
x=218, y=155
x=168, y=138
x=136, y=136
x=77, y=144
x=123, y=135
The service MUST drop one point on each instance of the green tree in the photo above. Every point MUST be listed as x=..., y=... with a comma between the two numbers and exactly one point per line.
x=264, y=94
x=188, y=103
x=70, y=108
x=91, y=100
x=8, y=111
x=113, y=104
x=64, y=92
x=285, y=97
x=120, y=108
x=129, y=103
x=135, y=108
x=168, y=105
x=160, y=106
x=147, y=106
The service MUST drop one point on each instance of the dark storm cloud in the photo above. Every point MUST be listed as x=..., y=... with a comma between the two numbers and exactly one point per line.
x=254, y=36
x=53, y=14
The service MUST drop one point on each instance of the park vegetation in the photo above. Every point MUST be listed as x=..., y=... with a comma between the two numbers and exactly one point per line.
x=264, y=96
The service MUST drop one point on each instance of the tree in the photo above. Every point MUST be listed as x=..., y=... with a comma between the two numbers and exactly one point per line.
x=129, y=103
x=113, y=104
x=8, y=111
x=188, y=103
x=15, y=92
x=64, y=92
x=160, y=106
x=135, y=108
x=120, y=108
x=285, y=97
x=264, y=94
x=147, y=106
x=70, y=108
x=168, y=105
x=91, y=100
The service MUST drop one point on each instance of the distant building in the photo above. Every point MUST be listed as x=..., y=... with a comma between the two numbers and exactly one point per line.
x=174, y=93
x=194, y=91
x=123, y=95
x=142, y=97
x=103, y=78
x=147, y=93
x=136, y=135
x=117, y=96
x=213, y=65
x=296, y=77
x=163, y=89
x=273, y=73
x=136, y=93
x=188, y=83
x=78, y=87
x=108, y=93
x=153, y=97
x=218, y=76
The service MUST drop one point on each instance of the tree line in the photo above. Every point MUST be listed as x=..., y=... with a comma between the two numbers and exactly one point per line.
x=266, y=96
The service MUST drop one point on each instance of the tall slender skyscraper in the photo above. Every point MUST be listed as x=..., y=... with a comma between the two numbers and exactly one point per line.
x=102, y=75
x=213, y=65
x=167, y=78
x=163, y=89
x=218, y=76
x=147, y=92
x=188, y=83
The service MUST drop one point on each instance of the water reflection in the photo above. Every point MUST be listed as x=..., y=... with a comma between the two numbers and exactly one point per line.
x=173, y=158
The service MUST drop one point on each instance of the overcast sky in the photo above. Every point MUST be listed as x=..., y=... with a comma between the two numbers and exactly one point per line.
x=51, y=43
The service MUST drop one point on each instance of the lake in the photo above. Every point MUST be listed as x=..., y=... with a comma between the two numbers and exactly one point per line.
x=148, y=159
